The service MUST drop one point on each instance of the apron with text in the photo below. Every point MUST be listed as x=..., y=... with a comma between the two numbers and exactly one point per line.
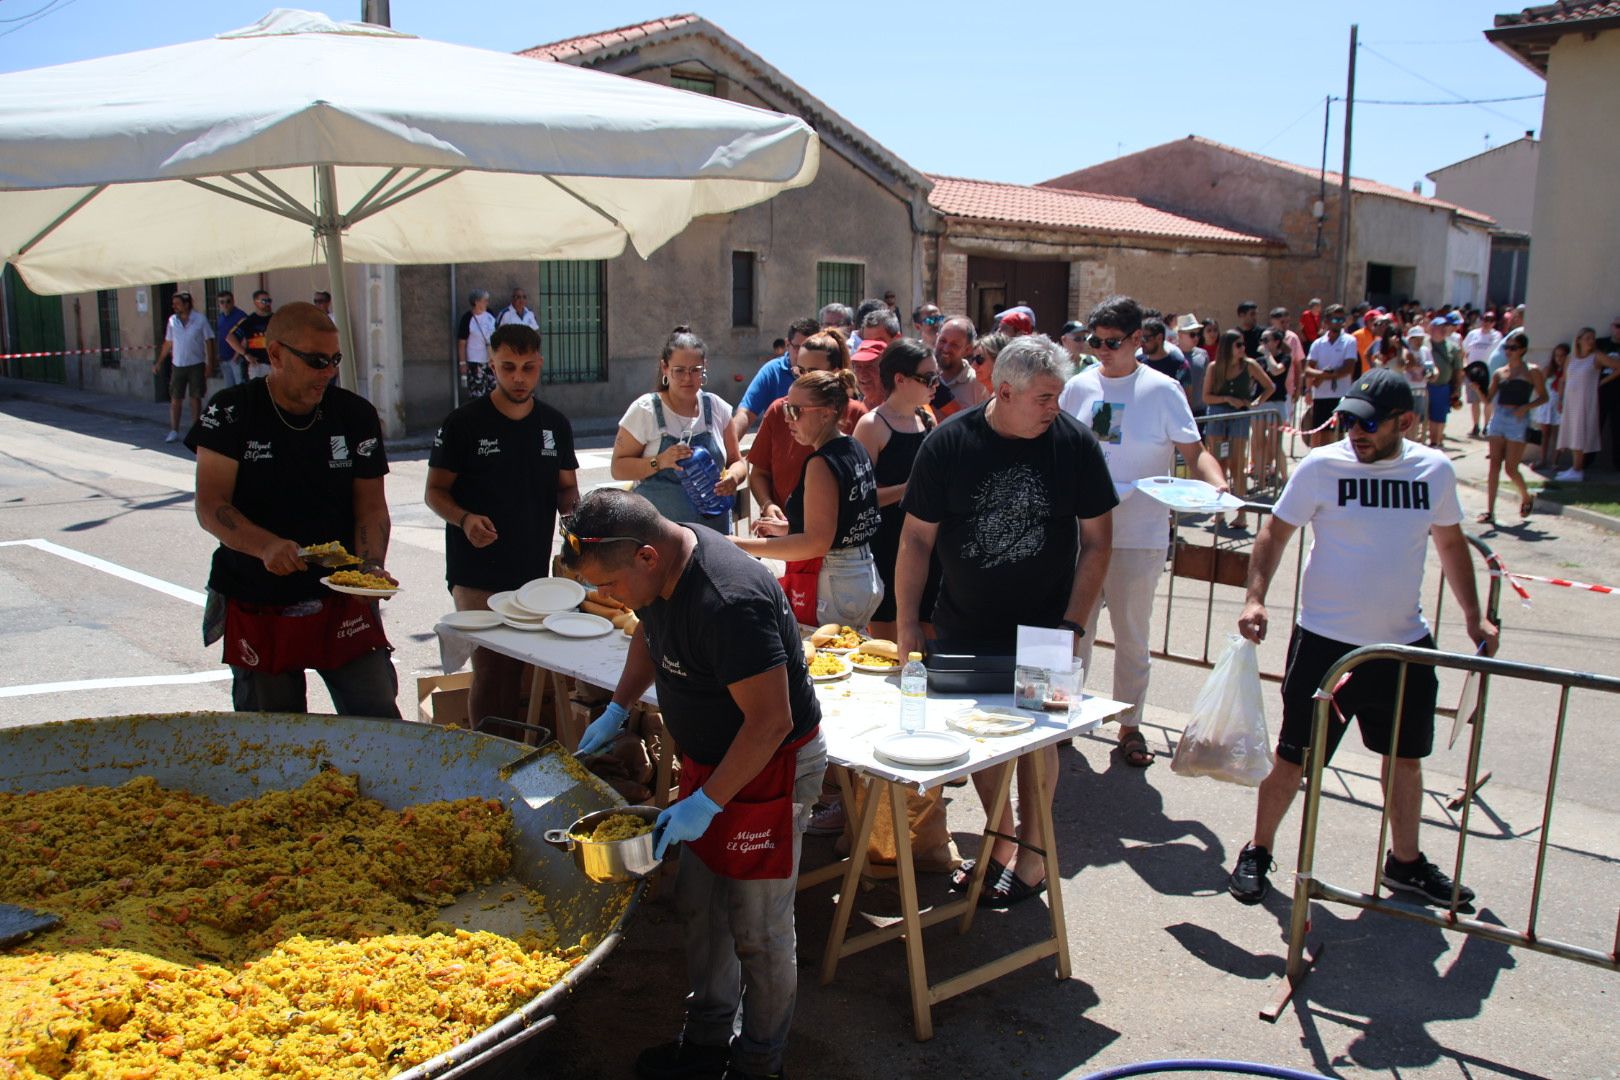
x=322, y=635
x=751, y=839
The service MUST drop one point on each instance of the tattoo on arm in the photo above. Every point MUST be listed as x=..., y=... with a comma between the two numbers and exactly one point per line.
x=228, y=518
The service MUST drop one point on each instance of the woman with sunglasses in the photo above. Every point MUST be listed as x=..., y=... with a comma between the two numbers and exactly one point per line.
x=776, y=460
x=1515, y=389
x=892, y=434
x=832, y=514
x=659, y=430
x=985, y=351
x=1580, y=433
x=1233, y=382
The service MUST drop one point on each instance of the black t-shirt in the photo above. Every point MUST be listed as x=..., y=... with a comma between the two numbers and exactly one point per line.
x=726, y=621
x=507, y=470
x=1006, y=510
x=251, y=333
x=858, y=516
x=1251, y=339
x=1279, y=383
x=299, y=485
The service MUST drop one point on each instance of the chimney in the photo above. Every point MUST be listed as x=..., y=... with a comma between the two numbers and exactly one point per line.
x=1530, y=134
x=1417, y=187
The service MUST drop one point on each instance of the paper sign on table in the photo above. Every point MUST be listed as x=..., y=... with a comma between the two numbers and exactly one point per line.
x=1039, y=646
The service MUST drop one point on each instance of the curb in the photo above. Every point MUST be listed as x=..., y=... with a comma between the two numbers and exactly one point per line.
x=1543, y=505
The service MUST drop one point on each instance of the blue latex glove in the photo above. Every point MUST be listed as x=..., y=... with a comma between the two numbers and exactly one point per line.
x=685, y=820
x=603, y=730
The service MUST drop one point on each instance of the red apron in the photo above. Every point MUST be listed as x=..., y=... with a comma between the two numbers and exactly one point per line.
x=271, y=642
x=751, y=839
x=800, y=584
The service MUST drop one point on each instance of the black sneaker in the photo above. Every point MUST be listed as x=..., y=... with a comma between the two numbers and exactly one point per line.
x=683, y=1061
x=1425, y=880
x=1248, y=883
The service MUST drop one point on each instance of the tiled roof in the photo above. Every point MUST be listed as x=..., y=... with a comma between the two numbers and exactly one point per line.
x=1357, y=184
x=1018, y=204
x=604, y=45
x=1528, y=35
x=607, y=40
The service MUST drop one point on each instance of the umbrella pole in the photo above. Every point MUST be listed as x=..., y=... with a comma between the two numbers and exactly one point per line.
x=330, y=231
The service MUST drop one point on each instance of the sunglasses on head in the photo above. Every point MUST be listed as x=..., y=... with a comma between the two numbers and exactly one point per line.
x=318, y=361
x=1111, y=344
x=793, y=412
x=577, y=543
x=1350, y=423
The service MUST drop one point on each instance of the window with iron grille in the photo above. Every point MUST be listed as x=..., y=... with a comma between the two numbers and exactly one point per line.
x=212, y=287
x=698, y=82
x=107, y=321
x=742, y=288
x=571, y=306
x=839, y=283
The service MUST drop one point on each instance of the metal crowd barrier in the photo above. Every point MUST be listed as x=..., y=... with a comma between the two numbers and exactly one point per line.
x=1266, y=429
x=1308, y=887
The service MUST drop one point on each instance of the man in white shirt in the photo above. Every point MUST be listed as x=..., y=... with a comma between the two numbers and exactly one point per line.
x=1373, y=502
x=519, y=312
x=190, y=340
x=1141, y=418
x=1330, y=367
x=1478, y=345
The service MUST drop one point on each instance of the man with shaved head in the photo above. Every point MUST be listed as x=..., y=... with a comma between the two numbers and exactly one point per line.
x=285, y=463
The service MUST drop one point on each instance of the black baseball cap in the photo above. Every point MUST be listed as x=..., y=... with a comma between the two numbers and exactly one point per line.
x=1378, y=395
x=1072, y=327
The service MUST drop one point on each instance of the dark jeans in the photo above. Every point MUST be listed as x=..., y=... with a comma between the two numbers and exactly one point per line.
x=365, y=686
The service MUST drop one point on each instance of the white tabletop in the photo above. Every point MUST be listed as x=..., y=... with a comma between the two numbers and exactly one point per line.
x=855, y=711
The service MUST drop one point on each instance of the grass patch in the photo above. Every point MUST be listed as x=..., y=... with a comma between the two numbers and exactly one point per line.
x=1602, y=496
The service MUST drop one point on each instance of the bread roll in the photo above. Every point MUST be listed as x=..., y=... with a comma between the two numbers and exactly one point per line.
x=826, y=634
x=622, y=619
x=600, y=609
x=597, y=597
x=881, y=647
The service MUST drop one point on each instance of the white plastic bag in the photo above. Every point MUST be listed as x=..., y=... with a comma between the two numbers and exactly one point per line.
x=1227, y=736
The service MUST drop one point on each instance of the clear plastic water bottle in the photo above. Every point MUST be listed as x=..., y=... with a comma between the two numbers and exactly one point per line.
x=698, y=474
x=913, y=693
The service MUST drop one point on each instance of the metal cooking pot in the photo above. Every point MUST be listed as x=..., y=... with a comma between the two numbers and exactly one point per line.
x=232, y=756
x=613, y=861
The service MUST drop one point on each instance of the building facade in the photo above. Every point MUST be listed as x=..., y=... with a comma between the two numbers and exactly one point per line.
x=1500, y=182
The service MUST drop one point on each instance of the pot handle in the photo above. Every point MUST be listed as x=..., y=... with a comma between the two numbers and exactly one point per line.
x=559, y=839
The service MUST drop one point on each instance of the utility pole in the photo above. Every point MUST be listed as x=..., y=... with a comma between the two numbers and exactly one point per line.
x=1341, y=280
x=375, y=12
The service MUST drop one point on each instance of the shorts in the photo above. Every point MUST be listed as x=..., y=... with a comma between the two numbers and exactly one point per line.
x=1368, y=696
x=1439, y=403
x=1225, y=429
x=1507, y=424
x=1471, y=392
x=1282, y=407
x=848, y=588
x=188, y=381
x=1322, y=410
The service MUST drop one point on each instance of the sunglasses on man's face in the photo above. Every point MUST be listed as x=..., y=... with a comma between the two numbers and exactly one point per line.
x=1336, y=320
x=318, y=361
x=1350, y=423
x=933, y=320
x=1111, y=344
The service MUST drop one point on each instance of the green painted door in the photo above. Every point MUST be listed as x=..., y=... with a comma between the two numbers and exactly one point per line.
x=36, y=326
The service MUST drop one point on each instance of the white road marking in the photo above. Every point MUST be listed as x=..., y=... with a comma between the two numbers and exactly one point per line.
x=190, y=596
x=217, y=675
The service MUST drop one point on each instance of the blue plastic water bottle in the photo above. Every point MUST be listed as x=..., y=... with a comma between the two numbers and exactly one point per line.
x=699, y=473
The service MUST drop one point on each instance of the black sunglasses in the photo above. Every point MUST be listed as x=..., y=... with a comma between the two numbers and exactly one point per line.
x=1111, y=344
x=927, y=378
x=1350, y=423
x=1336, y=319
x=793, y=412
x=576, y=543
x=318, y=361
x=933, y=320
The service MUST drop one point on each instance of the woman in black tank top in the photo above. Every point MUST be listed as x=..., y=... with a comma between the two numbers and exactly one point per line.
x=892, y=434
x=833, y=512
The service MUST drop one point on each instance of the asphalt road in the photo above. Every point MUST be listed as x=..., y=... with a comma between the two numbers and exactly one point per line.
x=101, y=568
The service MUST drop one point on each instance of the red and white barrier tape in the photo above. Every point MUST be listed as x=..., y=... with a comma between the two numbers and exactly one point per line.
x=1289, y=429
x=1498, y=568
x=76, y=352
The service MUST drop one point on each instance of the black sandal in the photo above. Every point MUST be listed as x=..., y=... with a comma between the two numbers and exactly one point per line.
x=963, y=875
x=1009, y=890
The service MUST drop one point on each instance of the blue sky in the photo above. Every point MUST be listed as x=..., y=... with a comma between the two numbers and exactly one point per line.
x=970, y=89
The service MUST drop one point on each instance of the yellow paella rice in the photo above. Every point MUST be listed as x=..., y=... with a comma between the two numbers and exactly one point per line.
x=616, y=827
x=826, y=664
x=291, y=934
x=354, y=579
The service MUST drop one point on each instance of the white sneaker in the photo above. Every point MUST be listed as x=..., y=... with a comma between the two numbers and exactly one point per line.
x=173, y=436
x=1574, y=476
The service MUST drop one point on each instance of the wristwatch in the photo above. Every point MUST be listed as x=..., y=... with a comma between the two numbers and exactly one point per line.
x=1070, y=624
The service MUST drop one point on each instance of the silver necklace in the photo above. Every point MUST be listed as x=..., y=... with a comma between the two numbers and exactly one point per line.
x=313, y=420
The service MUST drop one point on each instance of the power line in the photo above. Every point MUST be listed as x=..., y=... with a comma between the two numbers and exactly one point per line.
x=1311, y=111
x=1469, y=101
x=37, y=11
x=1461, y=99
x=31, y=19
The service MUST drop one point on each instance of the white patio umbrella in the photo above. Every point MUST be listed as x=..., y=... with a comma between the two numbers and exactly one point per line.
x=332, y=140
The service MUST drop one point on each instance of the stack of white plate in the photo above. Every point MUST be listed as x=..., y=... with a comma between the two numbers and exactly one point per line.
x=527, y=608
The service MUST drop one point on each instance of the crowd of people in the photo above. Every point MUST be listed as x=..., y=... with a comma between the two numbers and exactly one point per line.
x=938, y=487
